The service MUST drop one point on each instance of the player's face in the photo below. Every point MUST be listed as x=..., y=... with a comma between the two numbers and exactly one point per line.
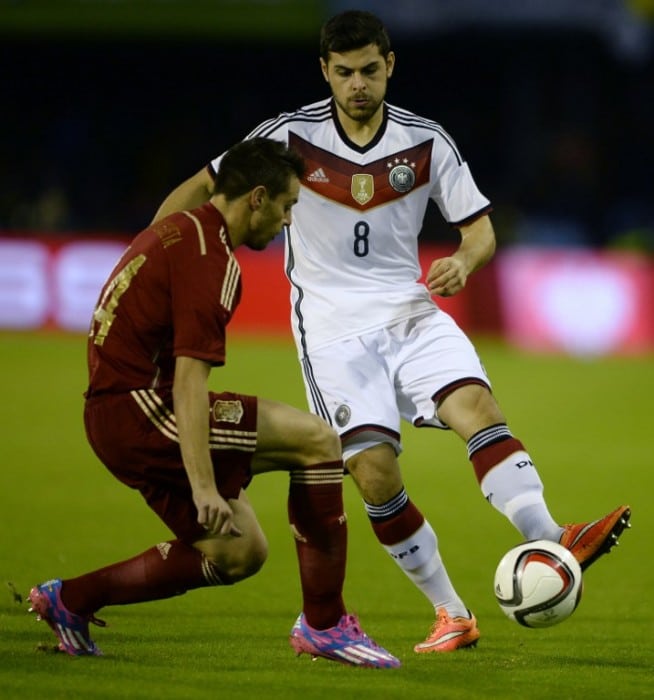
x=358, y=80
x=273, y=214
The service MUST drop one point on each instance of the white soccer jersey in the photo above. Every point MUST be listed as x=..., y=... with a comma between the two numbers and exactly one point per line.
x=352, y=249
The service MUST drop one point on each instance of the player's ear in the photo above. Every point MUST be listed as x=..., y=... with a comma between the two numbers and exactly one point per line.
x=323, y=68
x=390, y=63
x=257, y=197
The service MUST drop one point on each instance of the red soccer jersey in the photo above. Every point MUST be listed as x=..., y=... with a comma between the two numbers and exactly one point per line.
x=172, y=293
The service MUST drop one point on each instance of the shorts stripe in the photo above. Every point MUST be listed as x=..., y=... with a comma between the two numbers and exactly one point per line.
x=164, y=421
x=161, y=417
x=319, y=406
x=243, y=440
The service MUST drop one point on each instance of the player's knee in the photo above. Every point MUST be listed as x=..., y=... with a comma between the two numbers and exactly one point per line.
x=469, y=409
x=250, y=563
x=242, y=559
x=320, y=442
x=376, y=473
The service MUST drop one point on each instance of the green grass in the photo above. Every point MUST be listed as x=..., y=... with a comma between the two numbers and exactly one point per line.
x=587, y=424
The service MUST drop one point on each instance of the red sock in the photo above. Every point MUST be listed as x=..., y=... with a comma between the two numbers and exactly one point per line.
x=169, y=569
x=400, y=526
x=315, y=511
x=486, y=458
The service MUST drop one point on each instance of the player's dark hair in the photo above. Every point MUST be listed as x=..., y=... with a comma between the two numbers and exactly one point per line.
x=254, y=162
x=351, y=30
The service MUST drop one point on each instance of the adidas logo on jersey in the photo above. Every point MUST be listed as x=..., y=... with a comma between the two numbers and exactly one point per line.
x=318, y=176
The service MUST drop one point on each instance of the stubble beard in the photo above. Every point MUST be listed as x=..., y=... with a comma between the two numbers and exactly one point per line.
x=358, y=114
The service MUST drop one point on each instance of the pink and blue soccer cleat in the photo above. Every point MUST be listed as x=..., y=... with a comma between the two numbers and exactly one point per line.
x=346, y=643
x=72, y=630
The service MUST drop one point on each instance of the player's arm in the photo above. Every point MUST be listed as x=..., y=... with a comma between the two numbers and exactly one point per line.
x=190, y=194
x=191, y=408
x=447, y=276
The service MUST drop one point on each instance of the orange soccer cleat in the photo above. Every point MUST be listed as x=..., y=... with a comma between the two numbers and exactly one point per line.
x=588, y=541
x=449, y=634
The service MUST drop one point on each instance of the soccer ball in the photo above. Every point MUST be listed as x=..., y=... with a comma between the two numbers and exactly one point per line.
x=538, y=583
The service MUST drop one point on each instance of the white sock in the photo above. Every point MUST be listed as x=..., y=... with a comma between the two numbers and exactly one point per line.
x=419, y=558
x=514, y=488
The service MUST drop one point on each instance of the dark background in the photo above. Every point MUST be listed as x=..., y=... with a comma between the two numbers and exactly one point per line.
x=556, y=123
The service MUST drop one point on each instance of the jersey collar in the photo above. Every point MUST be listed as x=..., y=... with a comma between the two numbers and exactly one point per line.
x=354, y=146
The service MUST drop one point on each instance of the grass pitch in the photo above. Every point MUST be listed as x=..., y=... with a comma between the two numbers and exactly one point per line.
x=586, y=423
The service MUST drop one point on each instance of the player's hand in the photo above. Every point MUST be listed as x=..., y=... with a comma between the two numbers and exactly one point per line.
x=446, y=276
x=215, y=514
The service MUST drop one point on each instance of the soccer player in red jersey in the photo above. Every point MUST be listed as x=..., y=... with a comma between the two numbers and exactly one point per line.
x=158, y=329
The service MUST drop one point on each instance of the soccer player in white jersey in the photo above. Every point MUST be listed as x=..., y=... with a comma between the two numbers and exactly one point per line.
x=373, y=345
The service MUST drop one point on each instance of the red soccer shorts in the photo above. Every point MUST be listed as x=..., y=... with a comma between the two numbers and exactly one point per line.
x=135, y=437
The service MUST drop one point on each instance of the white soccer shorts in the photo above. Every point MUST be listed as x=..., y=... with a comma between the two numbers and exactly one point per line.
x=365, y=385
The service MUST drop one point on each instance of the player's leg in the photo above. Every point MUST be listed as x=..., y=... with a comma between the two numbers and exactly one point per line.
x=506, y=473
x=118, y=430
x=168, y=569
x=410, y=540
x=509, y=479
x=310, y=450
x=173, y=567
x=400, y=527
x=443, y=384
x=305, y=446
